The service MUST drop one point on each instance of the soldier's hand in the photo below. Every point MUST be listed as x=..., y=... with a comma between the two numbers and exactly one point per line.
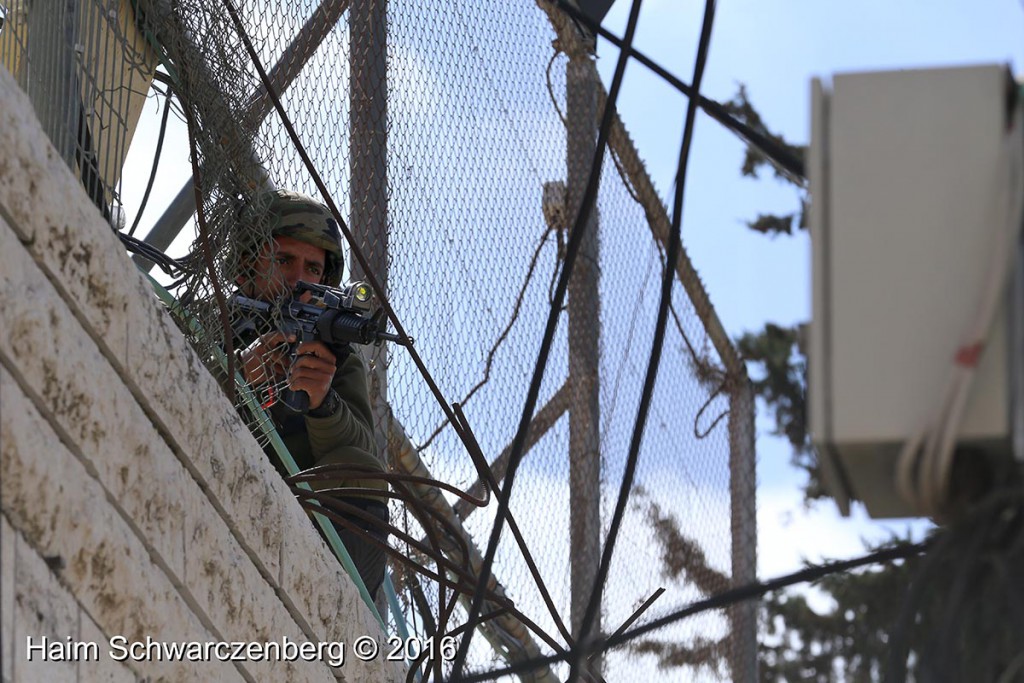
x=313, y=371
x=266, y=359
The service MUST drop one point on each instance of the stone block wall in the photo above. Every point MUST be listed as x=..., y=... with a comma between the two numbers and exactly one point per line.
x=137, y=511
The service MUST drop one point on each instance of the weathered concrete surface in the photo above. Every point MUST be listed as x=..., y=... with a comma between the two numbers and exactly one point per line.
x=46, y=207
x=132, y=465
x=198, y=517
x=43, y=607
x=7, y=546
x=64, y=514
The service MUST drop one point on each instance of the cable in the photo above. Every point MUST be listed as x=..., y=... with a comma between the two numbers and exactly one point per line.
x=780, y=156
x=156, y=163
x=575, y=240
x=89, y=168
x=171, y=266
x=609, y=414
x=668, y=279
x=501, y=337
x=696, y=421
x=722, y=600
x=463, y=582
x=926, y=460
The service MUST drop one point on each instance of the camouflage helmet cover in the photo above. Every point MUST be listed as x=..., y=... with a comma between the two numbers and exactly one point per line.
x=301, y=217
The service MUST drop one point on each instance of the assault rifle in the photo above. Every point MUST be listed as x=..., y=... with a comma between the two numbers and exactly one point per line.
x=335, y=316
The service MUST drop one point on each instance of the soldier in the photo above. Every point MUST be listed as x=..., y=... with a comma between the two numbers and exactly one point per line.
x=337, y=428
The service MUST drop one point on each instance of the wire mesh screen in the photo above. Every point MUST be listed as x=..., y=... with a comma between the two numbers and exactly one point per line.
x=456, y=140
x=87, y=70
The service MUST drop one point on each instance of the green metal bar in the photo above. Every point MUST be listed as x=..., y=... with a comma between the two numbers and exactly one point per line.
x=403, y=628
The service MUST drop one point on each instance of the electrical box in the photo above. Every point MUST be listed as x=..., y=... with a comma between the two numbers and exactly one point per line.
x=908, y=173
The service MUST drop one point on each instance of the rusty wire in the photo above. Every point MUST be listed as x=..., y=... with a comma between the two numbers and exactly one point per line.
x=396, y=479
x=501, y=337
x=327, y=502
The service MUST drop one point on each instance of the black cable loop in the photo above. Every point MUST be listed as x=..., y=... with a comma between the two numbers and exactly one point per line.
x=421, y=510
x=501, y=337
x=330, y=506
x=707, y=403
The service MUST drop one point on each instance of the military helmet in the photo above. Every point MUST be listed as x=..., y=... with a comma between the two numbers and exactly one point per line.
x=295, y=215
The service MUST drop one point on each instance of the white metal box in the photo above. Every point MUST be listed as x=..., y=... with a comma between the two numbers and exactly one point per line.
x=905, y=175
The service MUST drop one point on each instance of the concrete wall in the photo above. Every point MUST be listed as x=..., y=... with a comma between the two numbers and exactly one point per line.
x=134, y=501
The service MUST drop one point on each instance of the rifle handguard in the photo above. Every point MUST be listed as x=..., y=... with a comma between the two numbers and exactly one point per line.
x=341, y=317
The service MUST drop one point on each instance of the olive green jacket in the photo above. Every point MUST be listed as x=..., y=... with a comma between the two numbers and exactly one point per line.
x=344, y=438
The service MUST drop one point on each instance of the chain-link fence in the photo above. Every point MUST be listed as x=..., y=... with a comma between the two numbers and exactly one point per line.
x=456, y=140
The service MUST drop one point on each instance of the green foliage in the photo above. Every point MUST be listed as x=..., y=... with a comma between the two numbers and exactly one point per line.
x=771, y=224
x=776, y=351
x=780, y=380
x=683, y=562
x=848, y=642
x=782, y=384
x=704, y=653
x=740, y=107
x=682, y=558
x=955, y=613
x=768, y=224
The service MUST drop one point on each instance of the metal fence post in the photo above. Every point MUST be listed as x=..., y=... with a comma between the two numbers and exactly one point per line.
x=584, y=337
x=368, y=213
x=743, y=522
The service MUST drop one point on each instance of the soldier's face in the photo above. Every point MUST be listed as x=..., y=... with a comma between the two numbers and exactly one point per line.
x=281, y=265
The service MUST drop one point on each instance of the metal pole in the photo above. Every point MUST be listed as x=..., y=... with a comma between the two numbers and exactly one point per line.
x=743, y=653
x=742, y=490
x=368, y=213
x=584, y=331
